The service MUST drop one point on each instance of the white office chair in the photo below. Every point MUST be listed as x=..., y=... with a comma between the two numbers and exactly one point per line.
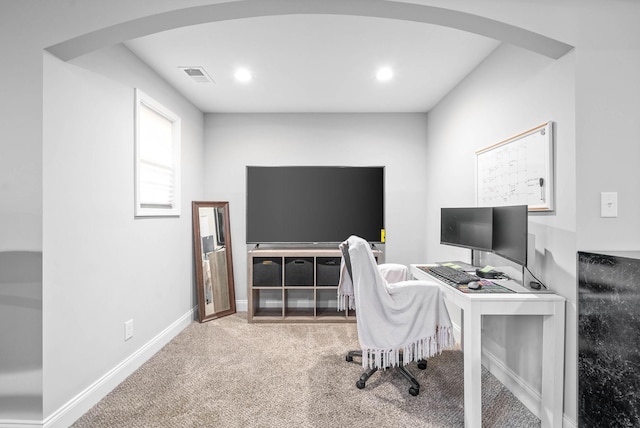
x=397, y=322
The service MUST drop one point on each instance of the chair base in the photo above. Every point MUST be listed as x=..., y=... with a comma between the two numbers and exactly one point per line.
x=414, y=389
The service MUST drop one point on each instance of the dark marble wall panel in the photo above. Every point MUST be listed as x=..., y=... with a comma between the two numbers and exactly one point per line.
x=609, y=339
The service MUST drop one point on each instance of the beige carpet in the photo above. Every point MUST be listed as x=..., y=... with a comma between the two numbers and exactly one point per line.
x=228, y=373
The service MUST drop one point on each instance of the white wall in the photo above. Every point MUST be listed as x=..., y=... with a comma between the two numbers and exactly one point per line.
x=510, y=92
x=26, y=28
x=20, y=217
x=21, y=124
x=608, y=129
x=396, y=141
x=103, y=266
x=607, y=61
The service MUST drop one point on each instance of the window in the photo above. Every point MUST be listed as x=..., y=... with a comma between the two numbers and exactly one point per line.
x=157, y=159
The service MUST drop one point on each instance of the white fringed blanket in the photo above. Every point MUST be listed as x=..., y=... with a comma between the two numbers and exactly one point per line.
x=392, y=316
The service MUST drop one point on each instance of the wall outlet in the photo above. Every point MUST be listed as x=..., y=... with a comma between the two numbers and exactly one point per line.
x=128, y=330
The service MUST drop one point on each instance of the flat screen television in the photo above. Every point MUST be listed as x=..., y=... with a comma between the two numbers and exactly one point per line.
x=499, y=230
x=467, y=227
x=314, y=204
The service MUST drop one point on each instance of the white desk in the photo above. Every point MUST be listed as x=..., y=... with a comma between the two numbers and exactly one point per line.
x=474, y=306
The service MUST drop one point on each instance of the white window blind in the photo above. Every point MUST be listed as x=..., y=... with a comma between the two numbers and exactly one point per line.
x=157, y=159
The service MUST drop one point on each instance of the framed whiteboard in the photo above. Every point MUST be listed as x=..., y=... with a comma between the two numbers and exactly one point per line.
x=518, y=171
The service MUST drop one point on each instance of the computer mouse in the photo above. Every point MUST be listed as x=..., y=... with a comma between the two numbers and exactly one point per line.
x=474, y=285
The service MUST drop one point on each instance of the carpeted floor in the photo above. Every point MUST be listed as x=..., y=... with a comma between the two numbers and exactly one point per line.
x=228, y=373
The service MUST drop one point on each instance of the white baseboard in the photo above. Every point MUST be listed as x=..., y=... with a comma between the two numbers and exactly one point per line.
x=81, y=403
x=520, y=389
x=242, y=305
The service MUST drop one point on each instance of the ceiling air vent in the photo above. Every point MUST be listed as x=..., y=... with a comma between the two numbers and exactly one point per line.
x=197, y=74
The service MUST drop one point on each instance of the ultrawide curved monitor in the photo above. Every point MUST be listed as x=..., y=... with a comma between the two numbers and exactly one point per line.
x=467, y=227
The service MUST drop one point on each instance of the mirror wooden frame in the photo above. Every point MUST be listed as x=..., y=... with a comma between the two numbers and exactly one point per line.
x=205, y=301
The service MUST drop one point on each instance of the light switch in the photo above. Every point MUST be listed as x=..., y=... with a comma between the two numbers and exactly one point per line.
x=609, y=204
x=128, y=330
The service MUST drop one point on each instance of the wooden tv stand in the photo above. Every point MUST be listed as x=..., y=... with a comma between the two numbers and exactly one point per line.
x=295, y=284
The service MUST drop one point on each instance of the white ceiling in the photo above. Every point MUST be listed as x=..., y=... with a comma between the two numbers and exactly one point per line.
x=315, y=63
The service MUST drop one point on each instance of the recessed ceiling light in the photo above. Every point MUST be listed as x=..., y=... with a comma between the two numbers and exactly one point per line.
x=243, y=75
x=384, y=74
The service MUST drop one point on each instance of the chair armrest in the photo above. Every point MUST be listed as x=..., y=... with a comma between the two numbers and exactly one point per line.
x=410, y=284
x=393, y=272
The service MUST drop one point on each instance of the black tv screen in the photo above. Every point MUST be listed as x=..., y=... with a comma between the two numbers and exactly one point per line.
x=510, y=232
x=467, y=227
x=314, y=204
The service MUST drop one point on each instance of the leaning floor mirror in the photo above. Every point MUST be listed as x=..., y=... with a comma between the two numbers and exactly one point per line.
x=212, y=253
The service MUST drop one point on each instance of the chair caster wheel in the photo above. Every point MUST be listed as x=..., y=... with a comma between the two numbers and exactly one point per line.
x=414, y=391
x=349, y=358
x=360, y=384
x=422, y=365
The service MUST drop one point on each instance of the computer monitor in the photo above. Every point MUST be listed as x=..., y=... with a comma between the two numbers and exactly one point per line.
x=467, y=227
x=510, y=233
x=499, y=230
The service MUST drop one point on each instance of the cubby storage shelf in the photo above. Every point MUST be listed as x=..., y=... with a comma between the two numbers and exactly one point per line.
x=295, y=285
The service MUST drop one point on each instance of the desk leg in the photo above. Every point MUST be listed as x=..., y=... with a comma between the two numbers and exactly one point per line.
x=472, y=348
x=553, y=368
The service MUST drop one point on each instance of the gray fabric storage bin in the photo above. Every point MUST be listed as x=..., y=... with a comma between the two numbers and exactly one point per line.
x=327, y=270
x=298, y=271
x=267, y=271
